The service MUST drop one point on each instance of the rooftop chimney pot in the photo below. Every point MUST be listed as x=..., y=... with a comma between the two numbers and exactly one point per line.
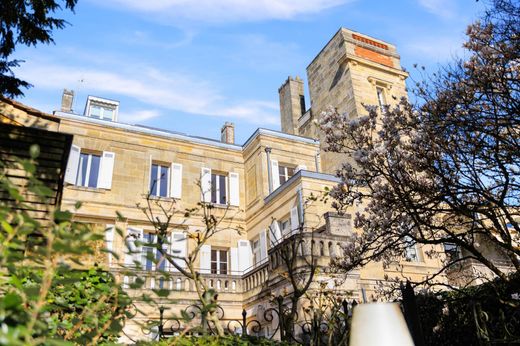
x=227, y=133
x=66, y=100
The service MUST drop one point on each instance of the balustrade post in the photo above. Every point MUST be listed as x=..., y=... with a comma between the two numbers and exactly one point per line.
x=244, y=325
x=161, y=313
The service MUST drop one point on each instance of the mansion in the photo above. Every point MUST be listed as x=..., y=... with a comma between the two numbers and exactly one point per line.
x=263, y=187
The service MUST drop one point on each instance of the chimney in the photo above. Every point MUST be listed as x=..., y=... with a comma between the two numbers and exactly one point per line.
x=66, y=100
x=227, y=133
x=292, y=104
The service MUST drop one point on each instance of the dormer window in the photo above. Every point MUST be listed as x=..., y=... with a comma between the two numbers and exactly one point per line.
x=99, y=108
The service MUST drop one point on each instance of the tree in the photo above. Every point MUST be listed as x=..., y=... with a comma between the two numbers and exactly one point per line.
x=443, y=170
x=27, y=23
x=49, y=292
x=163, y=216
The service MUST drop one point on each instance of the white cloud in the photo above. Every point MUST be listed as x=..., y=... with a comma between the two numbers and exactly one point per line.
x=261, y=53
x=434, y=48
x=159, y=89
x=441, y=8
x=224, y=10
x=138, y=115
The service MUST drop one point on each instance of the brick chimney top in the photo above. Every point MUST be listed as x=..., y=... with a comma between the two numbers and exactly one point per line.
x=67, y=100
x=227, y=133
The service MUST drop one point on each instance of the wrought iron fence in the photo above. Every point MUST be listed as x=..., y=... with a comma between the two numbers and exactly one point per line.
x=315, y=329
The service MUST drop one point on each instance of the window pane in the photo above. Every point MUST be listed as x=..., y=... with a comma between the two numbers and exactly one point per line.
x=161, y=261
x=94, y=171
x=223, y=256
x=153, y=181
x=82, y=170
x=381, y=98
x=214, y=255
x=147, y=258
x=213, y=188
x=213, y=267
x=223, y=268
x=222, y=189
x=281, y=173
x=95, y=111
x=164, y=182
x=107, y=113
x=290, y=172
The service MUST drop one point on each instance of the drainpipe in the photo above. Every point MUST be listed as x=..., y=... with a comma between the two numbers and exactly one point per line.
x=317, y=160
x=269, y=169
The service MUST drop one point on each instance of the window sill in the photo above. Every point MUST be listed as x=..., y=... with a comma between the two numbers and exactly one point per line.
x=84, y=188
x=222, y=206
x=161, y=198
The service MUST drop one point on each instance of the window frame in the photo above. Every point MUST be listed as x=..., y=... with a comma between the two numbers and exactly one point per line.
x=88, y=169
x=412, y=248
x=381, y=97
x=218, y=261
x=256, y=250
x=284, y=176
x=216, y=188
x=454, y=253
x=157, y=180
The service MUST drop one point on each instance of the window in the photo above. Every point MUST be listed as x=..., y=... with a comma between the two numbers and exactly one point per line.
x=219, y=189
x=100, y=108
x=411, y=251
x=159, y=178
x=452, y=252
x=285, y=226
x=257, y=256
x=219, y=261
x=88, y=170
x=381, y=98
x=147, y=252
x=285, y=172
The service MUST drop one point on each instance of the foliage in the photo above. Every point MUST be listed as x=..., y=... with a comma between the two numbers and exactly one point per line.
x=27, y=23
x=162, y=216
x=213, y=340
x=48, y=294
x=448, y=318
x=444, y=170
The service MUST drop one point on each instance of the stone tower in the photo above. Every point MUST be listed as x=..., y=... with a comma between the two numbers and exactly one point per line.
x=352, y=70
x=292, y=104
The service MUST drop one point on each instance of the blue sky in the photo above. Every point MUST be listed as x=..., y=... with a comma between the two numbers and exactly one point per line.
x=191, y=65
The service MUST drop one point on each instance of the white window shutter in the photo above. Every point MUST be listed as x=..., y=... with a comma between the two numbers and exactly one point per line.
x=301, y=167
x=178, y=249
x=205, y=184
x=109, y=240
x=176, y=180
x=133, y=250
x=71, y=172
x=234, y=189
x=245, y=255
x=150, y=178
x=263, y=246
x=106, y=169
x=275, y=233
x=295, y=223
x=275, y=174
x=205, y=259
x=233, y=254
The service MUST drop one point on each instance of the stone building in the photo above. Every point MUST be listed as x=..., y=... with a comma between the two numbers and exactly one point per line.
x=263, y=187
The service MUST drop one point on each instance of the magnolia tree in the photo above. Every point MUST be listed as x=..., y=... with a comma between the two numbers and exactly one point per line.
x=443, y=171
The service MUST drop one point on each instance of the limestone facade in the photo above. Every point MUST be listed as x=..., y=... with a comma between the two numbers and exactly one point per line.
x=264, y=187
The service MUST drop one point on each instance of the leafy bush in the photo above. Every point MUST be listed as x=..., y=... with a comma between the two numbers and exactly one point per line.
x=448, y=318
x=50, y=291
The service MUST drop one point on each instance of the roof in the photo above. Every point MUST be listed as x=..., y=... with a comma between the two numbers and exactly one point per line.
x=184, y=137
